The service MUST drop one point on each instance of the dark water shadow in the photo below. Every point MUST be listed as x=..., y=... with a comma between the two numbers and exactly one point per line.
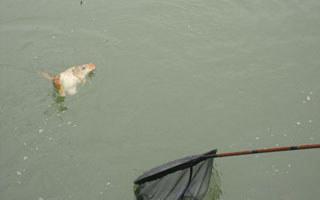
x=57, y=106
x=91, y=75
x=59, y=102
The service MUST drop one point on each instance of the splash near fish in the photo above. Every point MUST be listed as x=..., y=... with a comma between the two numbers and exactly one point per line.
x=67, y=82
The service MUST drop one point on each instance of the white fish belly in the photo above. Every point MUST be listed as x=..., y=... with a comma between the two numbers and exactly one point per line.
x=69, y=83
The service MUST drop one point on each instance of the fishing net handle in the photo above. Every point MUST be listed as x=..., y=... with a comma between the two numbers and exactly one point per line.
x=264, y=150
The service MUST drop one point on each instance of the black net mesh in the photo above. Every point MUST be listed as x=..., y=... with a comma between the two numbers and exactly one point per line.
x=184, y=179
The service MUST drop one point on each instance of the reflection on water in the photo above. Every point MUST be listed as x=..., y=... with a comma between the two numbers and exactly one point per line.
x=58, y=102
x=214, y=191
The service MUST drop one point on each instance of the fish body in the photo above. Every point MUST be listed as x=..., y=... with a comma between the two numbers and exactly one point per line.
x=66, y=82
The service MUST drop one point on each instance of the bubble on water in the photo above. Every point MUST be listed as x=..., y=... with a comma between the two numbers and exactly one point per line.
x=310, y=92
x=25, y=157
x=19, y=173
x=50, y=138
x=19, y=182
x=69, y=122
x=108, y=183
x=37, y=148
x=311, y=138
x=310, y=121
x=40, y=130
x=298, y=123
x=285, y=135
x=101, y=193
x=74, y=125
x=308, y=98
x=40, y=198
x=304, y=101
x=53, y=37
x=275, y=169
x=25, y=144
x=289, y=165
x=257, y=138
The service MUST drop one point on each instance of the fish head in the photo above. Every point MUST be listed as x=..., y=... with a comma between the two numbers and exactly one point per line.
x=84, y=70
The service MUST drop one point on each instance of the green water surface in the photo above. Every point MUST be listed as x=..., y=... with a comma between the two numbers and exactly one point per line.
x=174, y=78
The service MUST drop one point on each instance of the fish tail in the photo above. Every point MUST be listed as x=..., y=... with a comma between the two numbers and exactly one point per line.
x=46, y=75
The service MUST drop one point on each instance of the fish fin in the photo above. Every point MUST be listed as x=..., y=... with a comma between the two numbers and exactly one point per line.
x=46, y=75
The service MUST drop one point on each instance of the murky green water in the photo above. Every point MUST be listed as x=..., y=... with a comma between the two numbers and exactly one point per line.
x=173, y=78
